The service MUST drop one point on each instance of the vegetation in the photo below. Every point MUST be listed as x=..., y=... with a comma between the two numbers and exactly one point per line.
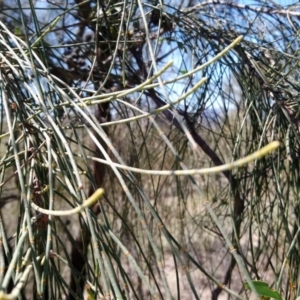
x=156, y=104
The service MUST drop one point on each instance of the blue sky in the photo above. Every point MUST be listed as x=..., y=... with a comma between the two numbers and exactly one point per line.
x=182, y=60
x=286, y=2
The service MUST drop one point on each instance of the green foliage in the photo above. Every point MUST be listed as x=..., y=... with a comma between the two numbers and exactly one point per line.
x=263, y=289
x=173, y=110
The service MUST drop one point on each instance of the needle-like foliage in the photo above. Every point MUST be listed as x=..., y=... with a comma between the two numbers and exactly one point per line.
x=186, y=115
